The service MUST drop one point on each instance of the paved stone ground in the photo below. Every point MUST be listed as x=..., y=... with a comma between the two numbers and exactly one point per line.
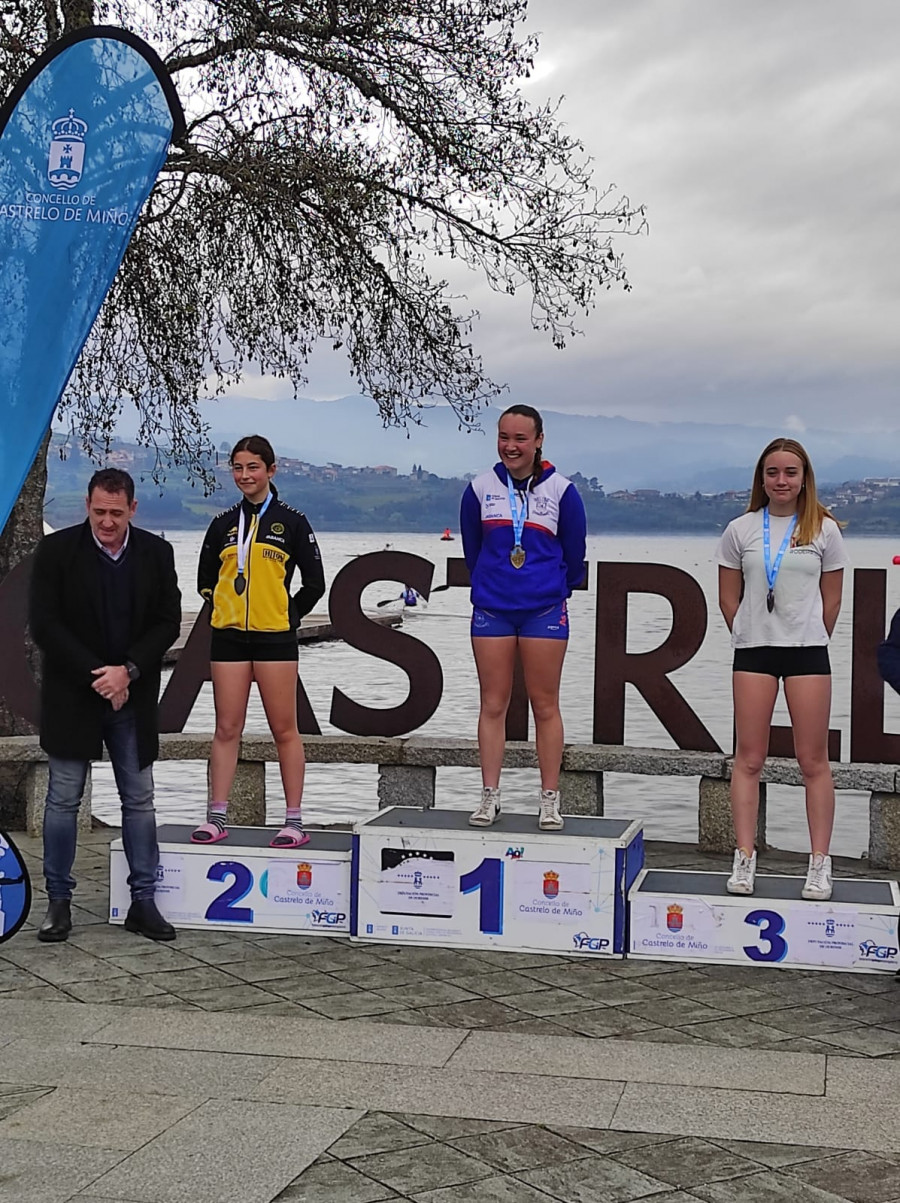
x=455, y=1076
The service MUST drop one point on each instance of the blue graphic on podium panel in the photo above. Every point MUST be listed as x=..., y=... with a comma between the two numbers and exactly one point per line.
x=15, y=889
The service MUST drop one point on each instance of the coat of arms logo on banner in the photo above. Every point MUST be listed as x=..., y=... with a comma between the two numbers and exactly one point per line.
x=66, y=163
x=551, y=884
x=304, y=875
x=674, y=917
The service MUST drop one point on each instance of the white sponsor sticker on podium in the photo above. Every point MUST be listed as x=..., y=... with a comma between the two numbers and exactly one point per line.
x=417, y=882
x=550, y=892
x=306, y=882
x=820, y=936
x=170, y=879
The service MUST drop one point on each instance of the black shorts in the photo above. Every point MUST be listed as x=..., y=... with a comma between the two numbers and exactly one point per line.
x=783, y=661
x=242, y=647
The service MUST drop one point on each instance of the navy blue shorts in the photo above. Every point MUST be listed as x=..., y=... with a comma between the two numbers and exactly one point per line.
x=549, y=622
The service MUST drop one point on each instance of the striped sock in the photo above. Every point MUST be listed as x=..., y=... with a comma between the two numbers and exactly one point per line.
x=216, y=814
x=292, y=818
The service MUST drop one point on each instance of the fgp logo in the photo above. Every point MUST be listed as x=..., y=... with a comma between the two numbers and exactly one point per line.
x=880, y=952
x=328, y=918
x=515, y=853
x=66, y=159
x=585, y=943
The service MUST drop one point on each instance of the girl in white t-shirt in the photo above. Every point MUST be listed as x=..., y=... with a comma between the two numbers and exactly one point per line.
x=781, y=571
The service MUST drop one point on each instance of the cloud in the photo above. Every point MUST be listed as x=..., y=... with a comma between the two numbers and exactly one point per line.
x=762, y=139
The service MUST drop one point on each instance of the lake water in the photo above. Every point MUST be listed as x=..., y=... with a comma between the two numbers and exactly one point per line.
x=668, y=806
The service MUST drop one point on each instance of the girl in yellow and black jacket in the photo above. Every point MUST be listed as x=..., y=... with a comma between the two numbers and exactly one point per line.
x=246, y=564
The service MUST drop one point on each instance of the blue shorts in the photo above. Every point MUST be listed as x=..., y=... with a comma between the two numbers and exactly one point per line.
x=549, y=622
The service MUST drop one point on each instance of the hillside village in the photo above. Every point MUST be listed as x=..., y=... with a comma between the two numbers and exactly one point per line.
x=382, y=497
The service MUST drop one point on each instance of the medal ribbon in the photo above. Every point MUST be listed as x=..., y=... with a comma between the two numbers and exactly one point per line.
x=518, y=515
x=773, y=569
x=243, y=545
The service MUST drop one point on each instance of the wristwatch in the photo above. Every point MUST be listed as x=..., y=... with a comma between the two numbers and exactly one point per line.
x=132, y=669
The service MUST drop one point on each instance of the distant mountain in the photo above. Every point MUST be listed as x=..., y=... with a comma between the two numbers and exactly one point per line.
x=670, y=456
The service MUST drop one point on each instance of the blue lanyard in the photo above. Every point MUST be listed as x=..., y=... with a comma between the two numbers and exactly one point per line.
x=772, y=569
x=518, y=515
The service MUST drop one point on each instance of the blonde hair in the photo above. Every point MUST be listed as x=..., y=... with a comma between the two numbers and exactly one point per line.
x=810, y=511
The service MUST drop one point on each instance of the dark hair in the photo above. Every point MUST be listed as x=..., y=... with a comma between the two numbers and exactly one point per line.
x=256, y=445
x=528, y=411
x=112, y=480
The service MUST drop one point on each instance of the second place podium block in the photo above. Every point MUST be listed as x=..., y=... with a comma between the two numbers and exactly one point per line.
x=427, y=877
x=242, y=883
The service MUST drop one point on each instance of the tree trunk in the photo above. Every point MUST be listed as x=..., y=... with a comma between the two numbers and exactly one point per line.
x=20, y=537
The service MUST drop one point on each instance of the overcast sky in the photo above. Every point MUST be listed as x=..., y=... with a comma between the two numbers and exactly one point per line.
x=762, y=136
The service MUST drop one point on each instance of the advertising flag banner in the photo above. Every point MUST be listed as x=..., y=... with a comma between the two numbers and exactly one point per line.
x=15, y=888
x=82, y=139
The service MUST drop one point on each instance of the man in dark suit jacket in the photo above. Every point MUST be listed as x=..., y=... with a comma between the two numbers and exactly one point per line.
x=104, y=607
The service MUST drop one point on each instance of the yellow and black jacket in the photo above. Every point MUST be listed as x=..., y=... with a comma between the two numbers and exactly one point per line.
x=282, y=540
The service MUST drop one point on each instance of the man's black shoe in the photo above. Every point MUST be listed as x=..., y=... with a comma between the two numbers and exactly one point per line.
x=144, y=919
x=57, y=922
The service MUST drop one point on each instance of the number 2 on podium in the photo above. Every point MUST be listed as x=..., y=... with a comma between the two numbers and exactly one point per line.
x=222, y=909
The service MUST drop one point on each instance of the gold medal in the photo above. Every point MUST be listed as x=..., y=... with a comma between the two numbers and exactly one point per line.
x=517, y=556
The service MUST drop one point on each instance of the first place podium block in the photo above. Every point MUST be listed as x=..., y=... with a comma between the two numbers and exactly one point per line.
x=427, y=877
x=241, y=883
x=683, y=916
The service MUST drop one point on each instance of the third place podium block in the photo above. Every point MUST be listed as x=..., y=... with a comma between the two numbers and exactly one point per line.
x=427, y=877
x=684, y=916
x=241, y=883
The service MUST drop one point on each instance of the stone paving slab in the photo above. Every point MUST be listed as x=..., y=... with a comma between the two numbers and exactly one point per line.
x=852, y=1078
x=101, y=1119
x=873, y=1125
x=275, y=1037
x=443, y=1092
x=223, y=1152
x=612, y=1060
x=32, y=1172
x=157, y=1070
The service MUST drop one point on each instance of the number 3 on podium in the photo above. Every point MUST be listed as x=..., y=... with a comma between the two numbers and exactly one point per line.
x=770, y=925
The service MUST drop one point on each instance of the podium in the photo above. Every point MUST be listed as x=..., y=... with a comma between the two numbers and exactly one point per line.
x=427, y=877
x=683, y=916
x=242, y=883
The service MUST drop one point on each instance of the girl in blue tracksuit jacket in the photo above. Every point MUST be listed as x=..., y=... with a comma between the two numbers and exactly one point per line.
x=523, y=530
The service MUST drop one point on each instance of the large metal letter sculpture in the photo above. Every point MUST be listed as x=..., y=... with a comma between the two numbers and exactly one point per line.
x=647, y=671
x=416, y=659
x=83, y=136
x=869, y=742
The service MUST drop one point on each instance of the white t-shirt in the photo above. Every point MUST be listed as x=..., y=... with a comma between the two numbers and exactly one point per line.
x=797, y=619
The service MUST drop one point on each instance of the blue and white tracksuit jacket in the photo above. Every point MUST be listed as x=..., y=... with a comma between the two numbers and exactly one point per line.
x=553, y=539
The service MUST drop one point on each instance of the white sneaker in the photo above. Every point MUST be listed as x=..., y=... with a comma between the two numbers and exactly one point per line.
x=488, y=811
x=549, y=818
x=818, y=885
x=743, y=873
